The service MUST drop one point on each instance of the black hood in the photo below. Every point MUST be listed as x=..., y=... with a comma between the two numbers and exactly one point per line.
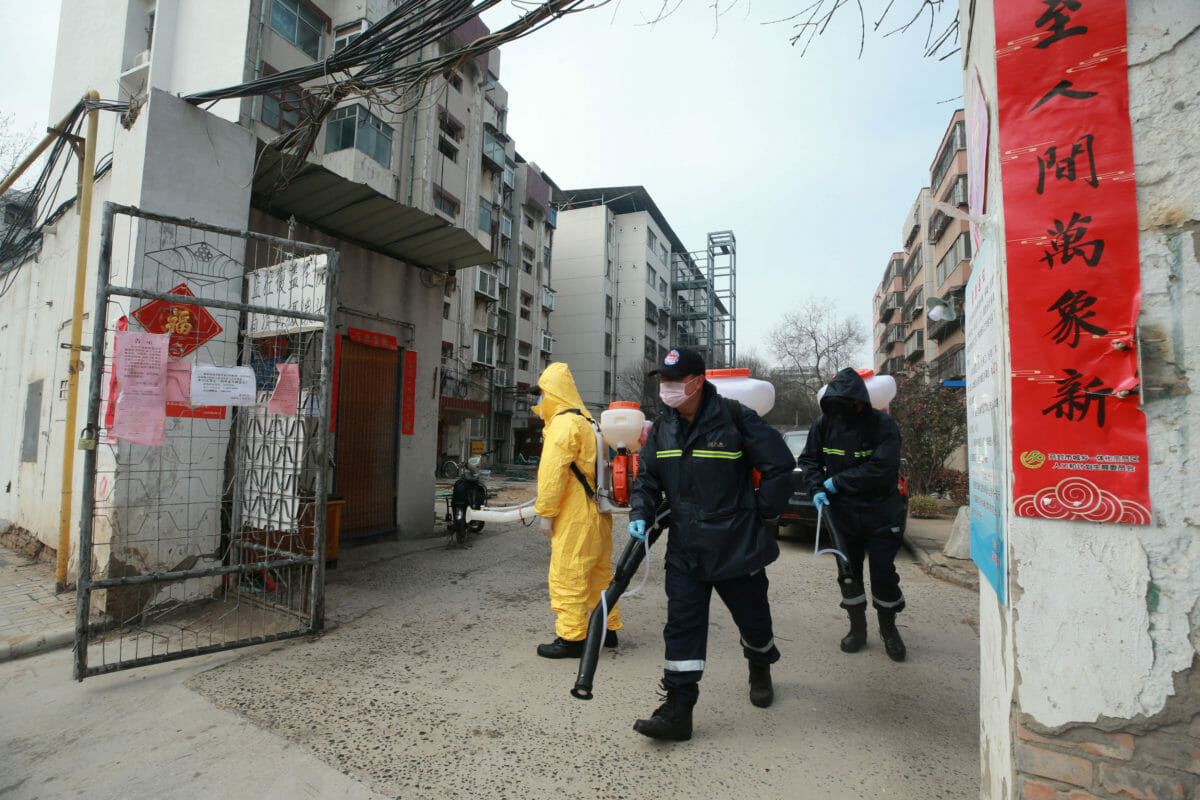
x=848, y=385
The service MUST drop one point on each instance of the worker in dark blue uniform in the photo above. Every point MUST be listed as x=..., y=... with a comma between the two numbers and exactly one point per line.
x=700, y=454
x=851, y=464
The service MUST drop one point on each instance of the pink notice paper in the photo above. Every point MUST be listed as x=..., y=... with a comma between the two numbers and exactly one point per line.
x=179, y=382
x=286, y=395
x=140, y=366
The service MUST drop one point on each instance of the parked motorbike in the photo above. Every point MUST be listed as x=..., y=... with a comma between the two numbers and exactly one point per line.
x=469, y=491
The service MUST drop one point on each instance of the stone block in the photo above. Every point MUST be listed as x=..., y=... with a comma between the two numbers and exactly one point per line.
x=1057, y=766
x=1110, y=745
x=959, y=543
x=1036, y=790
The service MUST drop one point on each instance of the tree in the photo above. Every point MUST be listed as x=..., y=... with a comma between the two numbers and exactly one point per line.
x=933, y=424
x=812, y=344
x=15, y=144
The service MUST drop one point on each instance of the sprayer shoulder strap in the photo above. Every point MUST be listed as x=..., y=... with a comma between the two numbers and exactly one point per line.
x=587, y=489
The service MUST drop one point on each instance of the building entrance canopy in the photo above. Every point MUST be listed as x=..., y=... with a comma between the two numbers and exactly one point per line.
x=358, y=214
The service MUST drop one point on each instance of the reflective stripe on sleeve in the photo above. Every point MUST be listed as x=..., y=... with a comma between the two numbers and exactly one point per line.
x=693, y=665
x=669, y=453
x=725, y=454
x=833, y=451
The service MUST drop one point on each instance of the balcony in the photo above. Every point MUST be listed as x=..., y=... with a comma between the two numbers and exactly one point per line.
x=952, y=366
x=893, y=301
x=547, y=298
x=914, y=345
x=493, y=151
x=893, y=366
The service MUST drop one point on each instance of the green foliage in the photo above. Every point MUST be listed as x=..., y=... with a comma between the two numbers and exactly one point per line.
x=933, y=423
x=954, y=484
x=923, y=506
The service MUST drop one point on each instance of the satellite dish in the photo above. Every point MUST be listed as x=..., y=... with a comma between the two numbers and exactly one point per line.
x=939, y=310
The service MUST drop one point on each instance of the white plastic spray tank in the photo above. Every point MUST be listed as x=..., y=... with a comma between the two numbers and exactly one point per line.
x=737, y=384
x=880, y=388
x=622, y=425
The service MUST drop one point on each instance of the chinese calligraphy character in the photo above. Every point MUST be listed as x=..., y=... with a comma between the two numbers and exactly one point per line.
x=1074, y=308
x=1063, y=88
x=1064, y=167
x=1066, y=242
x=1055, y=15
x=1073, y=399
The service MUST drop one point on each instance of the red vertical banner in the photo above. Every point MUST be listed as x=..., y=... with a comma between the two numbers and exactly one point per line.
x=408, y=401
x=1074, y=282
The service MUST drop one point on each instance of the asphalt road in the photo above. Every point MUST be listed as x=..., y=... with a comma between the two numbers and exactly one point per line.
x=427, y=685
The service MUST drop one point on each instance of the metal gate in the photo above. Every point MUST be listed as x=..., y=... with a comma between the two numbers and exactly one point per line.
x=366, y=442
x=206, y=471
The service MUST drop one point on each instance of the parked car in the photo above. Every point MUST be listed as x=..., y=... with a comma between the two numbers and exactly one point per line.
x=800, y=516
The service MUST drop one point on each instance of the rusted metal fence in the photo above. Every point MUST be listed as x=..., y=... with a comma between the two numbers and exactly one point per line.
x=206, y=469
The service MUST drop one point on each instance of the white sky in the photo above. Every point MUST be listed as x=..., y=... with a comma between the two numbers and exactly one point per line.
x=812, y=162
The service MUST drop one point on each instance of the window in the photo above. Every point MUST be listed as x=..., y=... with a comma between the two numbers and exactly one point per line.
x=913, y=267
x=485, y=348
x=454, y=79
x=445, y=202
x=956, y=142
x=607, y=382
x=651, y=240
x=662, y=287
x=524, y=349
x=526, y=304
x=527, y=220
x=651, y=349
x=546, y=259
x=346, y=35
x=608, y=306
x=300, y=24
x=608, y=344
x=282, y=109
x=960, y=251
x=527, y=259
x=445, y=311
x=33, y=421
x=449, y=126
x=608, y=268
x=662, y=252
x=485, y=215
x=506, y=224
x=447, y=351
x=354, y=126
x=651, y=276
x=447, y=149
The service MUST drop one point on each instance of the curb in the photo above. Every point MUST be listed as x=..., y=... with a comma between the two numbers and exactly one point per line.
x=937, y=570
x=14, y=647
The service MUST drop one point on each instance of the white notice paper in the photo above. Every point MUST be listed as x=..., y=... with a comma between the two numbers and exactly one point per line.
x=222, y=386
x=140, y=368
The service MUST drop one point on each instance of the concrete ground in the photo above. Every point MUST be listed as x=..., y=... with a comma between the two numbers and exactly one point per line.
x=426, y=685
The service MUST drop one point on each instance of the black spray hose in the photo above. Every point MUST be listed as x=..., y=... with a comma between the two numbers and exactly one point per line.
x=626, y=568
x=843, y=564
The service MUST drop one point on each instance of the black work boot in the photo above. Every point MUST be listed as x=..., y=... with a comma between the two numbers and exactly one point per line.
x=671, y=721
x=891, y=637
x=761, y=690
x=561, y=648
x=610, y=638
x=853, y=641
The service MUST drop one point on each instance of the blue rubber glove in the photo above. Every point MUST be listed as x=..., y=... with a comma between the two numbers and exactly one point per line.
x=637, y=529
x=829, y=487
x=820, y=499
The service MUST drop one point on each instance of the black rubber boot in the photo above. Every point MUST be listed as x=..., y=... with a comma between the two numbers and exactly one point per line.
x=891, y=637
x=761, y=690
x=561, y=648
x=853, y=641
x=610, y=638
x=672, y=721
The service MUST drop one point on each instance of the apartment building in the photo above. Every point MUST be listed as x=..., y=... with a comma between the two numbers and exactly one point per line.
x=917, y=307
x=441, y=228
x=632, y=291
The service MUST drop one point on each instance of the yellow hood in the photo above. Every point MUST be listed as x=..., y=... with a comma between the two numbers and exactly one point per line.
x=560, y=392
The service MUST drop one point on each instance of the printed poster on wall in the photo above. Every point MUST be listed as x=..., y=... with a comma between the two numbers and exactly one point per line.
x=140, y=372
x=1074, y=285
x=986, y=403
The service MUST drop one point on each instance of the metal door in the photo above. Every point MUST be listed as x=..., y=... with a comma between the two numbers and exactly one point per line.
x=368, y=378
x=203, y=506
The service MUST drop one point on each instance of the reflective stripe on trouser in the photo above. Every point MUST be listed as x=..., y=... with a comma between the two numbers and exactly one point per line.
x=686, y=631
x=880, y=551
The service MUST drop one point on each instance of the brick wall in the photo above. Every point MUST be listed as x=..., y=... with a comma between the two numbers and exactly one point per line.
x=1149, y=758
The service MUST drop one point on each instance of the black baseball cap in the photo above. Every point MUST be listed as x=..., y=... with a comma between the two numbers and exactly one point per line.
x=679, y=364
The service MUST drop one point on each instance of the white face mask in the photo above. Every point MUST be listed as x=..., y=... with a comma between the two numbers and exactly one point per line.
x=675, y=393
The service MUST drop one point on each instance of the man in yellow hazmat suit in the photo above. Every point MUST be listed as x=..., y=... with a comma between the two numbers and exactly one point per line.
x=580, y=536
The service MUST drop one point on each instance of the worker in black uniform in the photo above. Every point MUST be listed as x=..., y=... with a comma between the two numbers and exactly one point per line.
x=700, y=453
x=851, y=464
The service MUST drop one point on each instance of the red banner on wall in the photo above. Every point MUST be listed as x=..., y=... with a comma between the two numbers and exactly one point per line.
x=408, y=400
x=1074, y=284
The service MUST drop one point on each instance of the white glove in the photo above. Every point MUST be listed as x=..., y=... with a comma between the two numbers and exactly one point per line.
x=546, y=525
